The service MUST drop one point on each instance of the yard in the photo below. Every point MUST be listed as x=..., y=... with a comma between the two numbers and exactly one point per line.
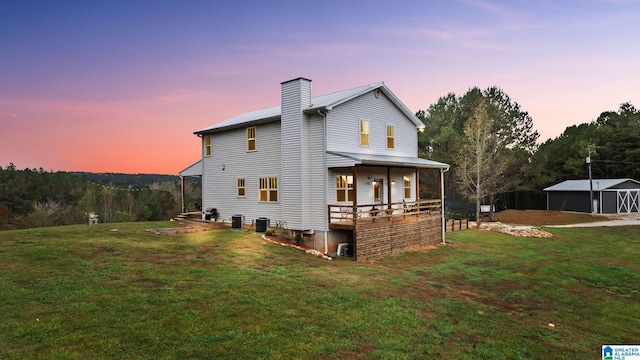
x=80, y=292
x=542, y=217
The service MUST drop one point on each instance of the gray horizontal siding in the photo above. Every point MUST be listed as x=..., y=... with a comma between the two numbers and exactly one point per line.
x=314, y=185
x=294, y=151
x=293, y=134
x=219, y=186
x=343, y=127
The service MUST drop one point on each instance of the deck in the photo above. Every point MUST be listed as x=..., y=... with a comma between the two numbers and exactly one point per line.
x=348, y=217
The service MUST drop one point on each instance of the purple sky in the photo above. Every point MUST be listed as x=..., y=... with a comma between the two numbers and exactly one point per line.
x=120, y=86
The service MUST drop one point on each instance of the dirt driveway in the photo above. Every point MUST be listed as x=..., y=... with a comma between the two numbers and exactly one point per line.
x=539, y=232
x=615, y=220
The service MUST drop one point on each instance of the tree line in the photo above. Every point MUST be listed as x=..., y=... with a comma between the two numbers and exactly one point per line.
x=35, y=197
x=495, y=159
x=484, y=135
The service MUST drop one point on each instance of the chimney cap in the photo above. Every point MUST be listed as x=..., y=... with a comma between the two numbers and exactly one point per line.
x=296, y=79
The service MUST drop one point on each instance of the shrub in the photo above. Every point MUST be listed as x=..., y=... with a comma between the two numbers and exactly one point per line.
x=268, y=233
x=280, y=229
x=49, y=213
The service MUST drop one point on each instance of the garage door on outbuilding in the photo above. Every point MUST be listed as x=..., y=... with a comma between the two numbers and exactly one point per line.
x=610, y=196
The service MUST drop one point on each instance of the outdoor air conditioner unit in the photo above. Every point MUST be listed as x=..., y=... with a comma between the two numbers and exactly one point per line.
x=237, y=221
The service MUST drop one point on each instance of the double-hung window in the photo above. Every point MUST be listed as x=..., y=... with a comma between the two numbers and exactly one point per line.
x=406, y=181
x=391, y=137
x=364, y=133
x=241, y=188
x=269, y=189
x=251, y=139
x=207, y=145
x=344, y=188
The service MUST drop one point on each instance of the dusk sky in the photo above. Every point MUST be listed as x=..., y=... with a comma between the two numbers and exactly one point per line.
x=120, y=86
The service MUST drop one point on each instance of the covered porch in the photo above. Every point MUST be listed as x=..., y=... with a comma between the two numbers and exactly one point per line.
x=377, y=201
x=375, y=188
x=193, y=170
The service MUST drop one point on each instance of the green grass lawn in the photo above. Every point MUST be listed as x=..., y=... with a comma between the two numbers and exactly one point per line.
x=80, y=292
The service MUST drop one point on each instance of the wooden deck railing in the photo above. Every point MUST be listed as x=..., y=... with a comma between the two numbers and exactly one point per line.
x=350, y=215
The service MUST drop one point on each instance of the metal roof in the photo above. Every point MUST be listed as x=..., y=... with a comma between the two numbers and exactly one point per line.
x=194, y=169
x=583, y=185
x=382, y=160
x=324, y=102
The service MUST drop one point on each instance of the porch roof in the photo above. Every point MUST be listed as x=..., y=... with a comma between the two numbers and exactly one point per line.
x=194, y=169
x=345, y=159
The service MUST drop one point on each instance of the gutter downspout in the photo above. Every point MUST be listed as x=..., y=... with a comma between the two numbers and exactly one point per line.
x=444, y=221
x=201, y=136
x=326, y=185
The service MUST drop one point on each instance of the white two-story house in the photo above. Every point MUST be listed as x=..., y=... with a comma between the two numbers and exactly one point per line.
x=338, y=168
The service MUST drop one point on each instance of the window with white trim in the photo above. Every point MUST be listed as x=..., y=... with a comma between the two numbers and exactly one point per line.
x=207, y=145
x=269, y=189
x=364, y=133
x=344, y=188
x=241, y=188
x=406, y=182
x=391, y=137
x=251, y=139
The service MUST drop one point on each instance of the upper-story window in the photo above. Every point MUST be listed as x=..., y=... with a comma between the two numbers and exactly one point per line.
x=364, y=133
x=269, y=189
x=207, y=145
x=406, y=182
x=251, y=139
x=391, y=137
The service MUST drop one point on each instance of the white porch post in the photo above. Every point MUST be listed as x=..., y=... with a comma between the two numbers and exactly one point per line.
x=182, y=209
x=390, y=211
